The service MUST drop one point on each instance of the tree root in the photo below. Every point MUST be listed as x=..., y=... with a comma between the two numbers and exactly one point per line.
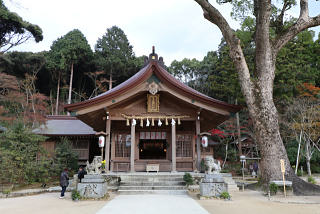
x=300, y=187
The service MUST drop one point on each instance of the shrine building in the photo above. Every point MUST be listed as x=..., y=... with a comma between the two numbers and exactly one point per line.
x=152, y=118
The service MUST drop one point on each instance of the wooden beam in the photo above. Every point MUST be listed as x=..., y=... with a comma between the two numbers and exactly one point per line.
x=173, y=142
x=198, y=143
x=107, y=151
x=133, y=137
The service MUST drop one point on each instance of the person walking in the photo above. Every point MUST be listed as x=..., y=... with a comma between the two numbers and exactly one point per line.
x=64, y=181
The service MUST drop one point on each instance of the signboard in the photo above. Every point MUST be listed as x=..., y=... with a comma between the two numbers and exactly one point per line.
x=153, y=103
x=283, y=169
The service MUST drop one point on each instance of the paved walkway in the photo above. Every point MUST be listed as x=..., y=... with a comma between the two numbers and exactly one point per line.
x=152, y=204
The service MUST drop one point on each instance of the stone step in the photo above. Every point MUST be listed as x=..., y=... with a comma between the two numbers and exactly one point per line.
x=139, y=183
x=152, y=188
x=158, y=192
x=152, y=180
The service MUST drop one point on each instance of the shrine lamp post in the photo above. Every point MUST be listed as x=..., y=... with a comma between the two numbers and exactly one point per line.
x=243, y=161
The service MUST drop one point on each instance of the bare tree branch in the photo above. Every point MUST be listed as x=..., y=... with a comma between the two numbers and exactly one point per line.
x=214, y=16
x=303, y=22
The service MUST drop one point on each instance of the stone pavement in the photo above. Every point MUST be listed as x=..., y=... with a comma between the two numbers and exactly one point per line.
x=155, y=204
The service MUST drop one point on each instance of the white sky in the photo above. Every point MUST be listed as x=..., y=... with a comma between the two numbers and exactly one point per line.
x=176, y=27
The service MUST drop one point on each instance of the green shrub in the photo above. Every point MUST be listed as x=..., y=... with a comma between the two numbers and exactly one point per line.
x=75, y=195
x=65, y=157
x=311, y=180
x=203, y=166
x=225, y=195
x=188, y=179
x=19, y=149
x=273, y=188
x=299, y=173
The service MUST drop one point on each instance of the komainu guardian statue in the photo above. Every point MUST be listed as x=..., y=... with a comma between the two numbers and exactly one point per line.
x=213, y=165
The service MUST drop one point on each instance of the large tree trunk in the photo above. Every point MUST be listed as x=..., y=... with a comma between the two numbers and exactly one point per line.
x=58, y=94
x=258, y=88
x=239, y=131
x=110, y=81
x=70, y=84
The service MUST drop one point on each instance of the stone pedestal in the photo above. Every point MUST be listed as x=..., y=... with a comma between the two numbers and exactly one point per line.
x=92, y=186
x=212, y=185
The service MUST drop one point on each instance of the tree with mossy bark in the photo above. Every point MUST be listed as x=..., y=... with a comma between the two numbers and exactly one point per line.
x=272, y=33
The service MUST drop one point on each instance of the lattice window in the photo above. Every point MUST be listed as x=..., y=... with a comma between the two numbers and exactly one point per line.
x=184, y=145
x=123, y=145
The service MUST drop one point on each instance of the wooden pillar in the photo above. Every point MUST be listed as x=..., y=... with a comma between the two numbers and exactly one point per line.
x=174, y=152
x=198, y=143
x=107, y=151
x=133, y=137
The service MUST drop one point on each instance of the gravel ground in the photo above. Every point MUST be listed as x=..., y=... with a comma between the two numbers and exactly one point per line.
x=48, y=203
x=248, y=202
x=252, y=202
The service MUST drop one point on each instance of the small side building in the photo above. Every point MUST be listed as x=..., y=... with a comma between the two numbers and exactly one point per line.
x=82, y=136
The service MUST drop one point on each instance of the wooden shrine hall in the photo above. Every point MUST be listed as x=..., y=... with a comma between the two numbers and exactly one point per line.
x=152, y=119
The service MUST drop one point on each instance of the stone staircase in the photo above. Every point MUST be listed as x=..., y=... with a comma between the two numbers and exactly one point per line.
x=152, y=183
x=232, y=185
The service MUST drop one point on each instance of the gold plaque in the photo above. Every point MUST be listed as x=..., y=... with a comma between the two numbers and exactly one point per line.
x=153, y=103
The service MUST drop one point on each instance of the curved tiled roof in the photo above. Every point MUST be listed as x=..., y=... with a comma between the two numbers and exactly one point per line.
x=155, y=67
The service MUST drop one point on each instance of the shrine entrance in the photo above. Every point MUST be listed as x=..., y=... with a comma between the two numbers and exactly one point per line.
x=152, y=149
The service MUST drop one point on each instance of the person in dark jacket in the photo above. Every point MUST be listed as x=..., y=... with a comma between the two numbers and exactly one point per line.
x=255, y=168
x=81, y=173
x=64, y=181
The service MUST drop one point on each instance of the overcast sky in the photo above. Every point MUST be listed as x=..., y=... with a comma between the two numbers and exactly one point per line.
x=176, y=27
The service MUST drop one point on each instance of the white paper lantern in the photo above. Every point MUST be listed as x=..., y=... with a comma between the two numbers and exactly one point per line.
x=204, y=141
x=101, y=141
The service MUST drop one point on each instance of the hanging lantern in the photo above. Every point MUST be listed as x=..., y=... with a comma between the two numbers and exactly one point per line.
x=167, y=121
x=134, y=122
x=141, y=122
x=173, y=122
x=148, y=122
x=204, y=141
x=179, y=122
x=159, y=122
x=128, y=124
x=152, y=122
x=101, y=141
